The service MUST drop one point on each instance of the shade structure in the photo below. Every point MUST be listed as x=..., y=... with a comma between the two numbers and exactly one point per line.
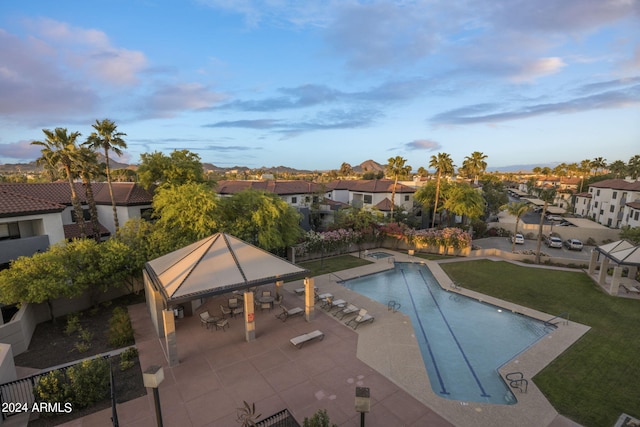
x=216, y=265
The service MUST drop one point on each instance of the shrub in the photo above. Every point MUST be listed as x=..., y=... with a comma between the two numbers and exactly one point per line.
x=73, y=324
x=89, y=382
x=127, y=358
x=52, y=387
x=120, y=329
x=82, y=346
x=319, y=419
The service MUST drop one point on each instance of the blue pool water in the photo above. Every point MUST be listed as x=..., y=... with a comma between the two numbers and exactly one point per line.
x=379, y=255
x=463, y=341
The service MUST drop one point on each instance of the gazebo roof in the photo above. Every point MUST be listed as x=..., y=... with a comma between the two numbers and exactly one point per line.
x=216, y=265
x=621, y=252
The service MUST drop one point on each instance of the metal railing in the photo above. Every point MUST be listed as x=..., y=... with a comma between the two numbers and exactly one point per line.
x=279, y=419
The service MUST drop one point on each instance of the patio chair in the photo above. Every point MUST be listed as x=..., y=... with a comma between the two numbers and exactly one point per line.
x=233, y=303
x=238, y=310
x=304, y=338
x=225, y=311
x=207, y=319
x=265, y=306
x=346, y=311
x=221, y=324
x=286, y=312
x=362, y=317
x=266, y=293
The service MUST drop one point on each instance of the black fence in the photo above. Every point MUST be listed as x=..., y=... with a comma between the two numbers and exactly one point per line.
x=279, y=419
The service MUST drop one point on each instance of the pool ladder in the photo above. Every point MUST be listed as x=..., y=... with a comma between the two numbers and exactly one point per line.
x=393, y=306
x=517, y=380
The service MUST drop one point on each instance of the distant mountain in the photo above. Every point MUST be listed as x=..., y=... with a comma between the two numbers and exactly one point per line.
x=368, y=166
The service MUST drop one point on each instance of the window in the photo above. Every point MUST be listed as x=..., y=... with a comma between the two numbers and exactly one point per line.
x=368, y=198
x=294, y=199
x=636, y=215
x=596, y=205
x=615, y=195
x=307, y=199
x=85, y=215
x=406, y=198
x=612, y=208
x=597, y=192
x=146, y=214
x=315, y=199
x=9, y=230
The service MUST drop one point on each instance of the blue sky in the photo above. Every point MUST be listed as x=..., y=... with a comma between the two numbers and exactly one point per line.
x=311, y=84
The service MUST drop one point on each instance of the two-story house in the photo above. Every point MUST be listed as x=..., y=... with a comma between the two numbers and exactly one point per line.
x=613, y=202
x=375, y=193
x=34, y=216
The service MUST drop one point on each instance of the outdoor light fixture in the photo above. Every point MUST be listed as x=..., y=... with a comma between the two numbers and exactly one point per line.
x=363, y=402
x=152, y=378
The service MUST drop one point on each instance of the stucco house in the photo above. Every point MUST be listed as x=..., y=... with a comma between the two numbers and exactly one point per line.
x=612, y=202
x=34, y=216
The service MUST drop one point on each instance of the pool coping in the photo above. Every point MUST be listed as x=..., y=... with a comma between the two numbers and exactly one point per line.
x=389, y=346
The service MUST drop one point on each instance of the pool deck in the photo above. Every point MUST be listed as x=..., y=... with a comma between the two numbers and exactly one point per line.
x=218, y=370
x=389, y=346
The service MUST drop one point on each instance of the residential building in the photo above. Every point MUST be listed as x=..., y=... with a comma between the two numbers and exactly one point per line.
x=612, y=202
x=34, y=216
x=375, y=193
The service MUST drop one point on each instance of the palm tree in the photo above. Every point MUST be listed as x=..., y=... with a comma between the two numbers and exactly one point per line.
x=396, y=168
x=107, y=138
x=598, y=163
x=618, y=168
x=547, y=196
x=59, y=149
x=475, y=165
x=444, y=166
x=85, y=164
x=516, y=209
x=633, y=166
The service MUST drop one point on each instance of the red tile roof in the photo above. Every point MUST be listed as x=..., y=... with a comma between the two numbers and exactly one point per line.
x=370, y=186
x=280, y=188
x=617, y=184
x=72, y=231
x=14, y=204
x=384, y=205
x=634, y=205
x=125, y=193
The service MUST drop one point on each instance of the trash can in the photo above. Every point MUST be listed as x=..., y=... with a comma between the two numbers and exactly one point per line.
x=178, y=312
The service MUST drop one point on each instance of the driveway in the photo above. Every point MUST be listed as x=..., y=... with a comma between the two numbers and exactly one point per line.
x=504, y=243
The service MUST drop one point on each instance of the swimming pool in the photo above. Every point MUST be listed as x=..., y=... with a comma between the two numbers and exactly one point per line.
x=379, y=255
x=463, y=341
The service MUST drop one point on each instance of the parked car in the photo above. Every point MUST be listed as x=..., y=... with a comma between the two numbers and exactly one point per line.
x=554, y=218
x=573, y=244
x=518, y=239
x=554, y=242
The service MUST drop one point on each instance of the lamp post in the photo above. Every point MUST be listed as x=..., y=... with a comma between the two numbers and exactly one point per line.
x=152, y=378
x=363, y=402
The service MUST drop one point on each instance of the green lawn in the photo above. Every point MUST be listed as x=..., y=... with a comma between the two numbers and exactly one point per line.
x=598, y=378
x=329, y=265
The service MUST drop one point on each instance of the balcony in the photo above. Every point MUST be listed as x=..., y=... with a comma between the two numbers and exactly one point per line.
x=11, y=249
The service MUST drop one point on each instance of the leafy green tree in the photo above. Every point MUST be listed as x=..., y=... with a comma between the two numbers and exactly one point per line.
x=107, y=138
x=180, y=167
x=186, y=212
x=141, y=243
x=260, y=218
x=494, y=195
x=444, y=166
x=59, y=148
x=632, y=234
x=517, y=210
x=40, y=278
x=462, y=199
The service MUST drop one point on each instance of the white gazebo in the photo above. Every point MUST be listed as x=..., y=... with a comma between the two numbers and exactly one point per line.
x=623, y=254
x=213, y=266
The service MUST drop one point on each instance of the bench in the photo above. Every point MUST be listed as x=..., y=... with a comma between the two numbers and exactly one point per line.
x=301, y=339
x=630, y=288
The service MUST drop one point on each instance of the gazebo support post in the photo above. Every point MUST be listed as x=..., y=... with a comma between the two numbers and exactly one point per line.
x=249, y=317
x=593, y=262
x=170, y=337
x=279, y=284
x=604, y=266
x=615, y=281
x=309, y=299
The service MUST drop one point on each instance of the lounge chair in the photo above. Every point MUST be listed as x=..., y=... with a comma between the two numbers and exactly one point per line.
x=628, y=287
x=362, y=317
x=323, y=297
x=289, y=312
x=300, y=291
x=304, y=338
x=346, y=311
x=335, y=304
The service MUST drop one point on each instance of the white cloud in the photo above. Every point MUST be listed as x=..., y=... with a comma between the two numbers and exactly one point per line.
x=529, y=71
